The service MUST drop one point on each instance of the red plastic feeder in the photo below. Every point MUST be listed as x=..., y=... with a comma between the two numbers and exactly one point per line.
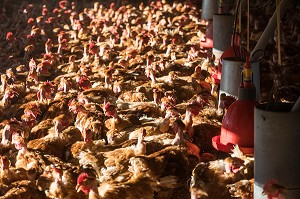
x=238, y=124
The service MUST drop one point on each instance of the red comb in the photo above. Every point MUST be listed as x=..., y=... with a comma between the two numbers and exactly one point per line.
x=8, y=35
x=55, y=10
x=92, y=45
x=44, y=11
x=30, y=20
x=268, y=184
x=46, y=63
x=47, y=83
x=47, y=56
x=107, y=105
x=81, y=177
x=50, y=19
x=82, y=78
x=112, y=5
x=63, y=4
x=71, y=101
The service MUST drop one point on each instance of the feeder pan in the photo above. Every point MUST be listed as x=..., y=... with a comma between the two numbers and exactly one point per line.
x=238, y=124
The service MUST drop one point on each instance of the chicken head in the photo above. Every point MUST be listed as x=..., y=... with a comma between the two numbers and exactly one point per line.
x=85, y=182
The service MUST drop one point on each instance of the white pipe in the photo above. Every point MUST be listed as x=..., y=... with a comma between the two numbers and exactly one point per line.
x=263, y=41
x=269, y=30
x=248, y=25
x=278, y=34
x=296, y=107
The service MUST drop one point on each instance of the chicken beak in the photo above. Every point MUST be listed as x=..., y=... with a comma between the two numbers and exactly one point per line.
x=85, y=138
x=78, y=187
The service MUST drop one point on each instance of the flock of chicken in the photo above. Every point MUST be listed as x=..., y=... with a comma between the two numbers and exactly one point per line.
x=110, y=101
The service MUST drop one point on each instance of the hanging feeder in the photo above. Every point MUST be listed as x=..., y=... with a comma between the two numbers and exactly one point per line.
x=238, y=122
x=209, y=8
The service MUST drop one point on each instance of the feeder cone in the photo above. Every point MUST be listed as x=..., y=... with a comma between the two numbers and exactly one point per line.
x=238, y=124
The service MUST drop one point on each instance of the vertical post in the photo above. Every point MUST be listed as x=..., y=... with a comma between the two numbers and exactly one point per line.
x=240, y=19
x=278, y=33
x=248, y=25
